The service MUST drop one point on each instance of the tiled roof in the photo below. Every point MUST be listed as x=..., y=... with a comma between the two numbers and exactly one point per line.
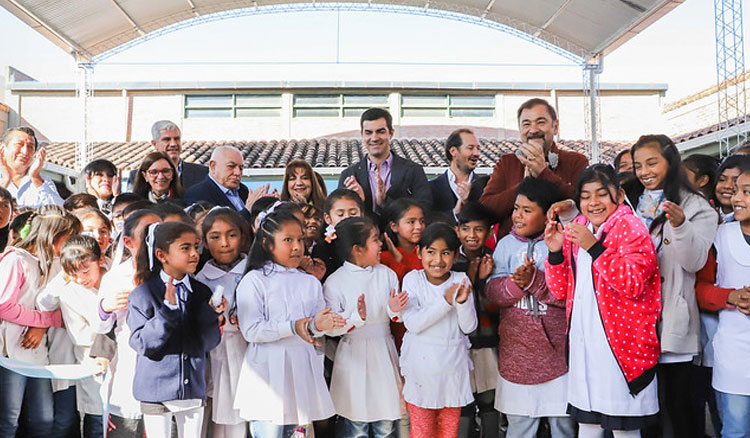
x=323, y=152
x=706, y=130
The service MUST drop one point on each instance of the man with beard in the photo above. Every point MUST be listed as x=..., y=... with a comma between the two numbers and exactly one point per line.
x=538, y=157
x=167, y=138
x=383, y=176
x=458, y=185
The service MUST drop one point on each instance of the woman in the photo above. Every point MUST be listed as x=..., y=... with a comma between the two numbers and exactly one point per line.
x=302, y=184
x=157, y=179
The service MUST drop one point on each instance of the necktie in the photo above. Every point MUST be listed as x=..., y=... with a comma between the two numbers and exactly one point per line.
x=182, y=295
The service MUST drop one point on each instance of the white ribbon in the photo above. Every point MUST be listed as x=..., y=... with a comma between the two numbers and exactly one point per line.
x=150, y=244
x=263, y=214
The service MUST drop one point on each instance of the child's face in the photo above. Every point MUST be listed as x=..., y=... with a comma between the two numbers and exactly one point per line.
x=182, y=256
x=650, y=166
x=98, y=229
x=369, y=255
x=6, y=210
x=725, y=186
x=288, y=245
x=597, y=202
x=342, y=209
x=472, y=235
x=409, y=228
x=89, y=275
x=437, y=261
x=133, y=243
x=223, y=241
x=528, y=217
x=741, y=198
x=313, y=227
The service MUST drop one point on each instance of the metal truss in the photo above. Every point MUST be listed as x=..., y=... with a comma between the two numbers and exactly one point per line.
x=730, y=71
x=432, y=9
x=84, y=148
x=592, y=107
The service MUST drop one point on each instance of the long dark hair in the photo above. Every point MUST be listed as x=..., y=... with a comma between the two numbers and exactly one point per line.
x=132, y=221
x=395, y=210
x=142, y=187
x=231, y=216
x=353, y=231
x=260, y=251
x=601, y=173
x=674, y=182
x=164, y=235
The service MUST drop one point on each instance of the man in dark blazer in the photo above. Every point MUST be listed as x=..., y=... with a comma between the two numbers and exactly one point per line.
x=166, y=137
x=223, y=184
x=383, y=176
x=459, y=184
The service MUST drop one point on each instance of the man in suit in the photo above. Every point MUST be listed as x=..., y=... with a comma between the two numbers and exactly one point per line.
x=223, y=184
x=383, y=176
x=458, y=185
x=167, y=138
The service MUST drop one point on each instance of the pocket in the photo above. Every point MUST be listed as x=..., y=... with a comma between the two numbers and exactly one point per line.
x=677, y=317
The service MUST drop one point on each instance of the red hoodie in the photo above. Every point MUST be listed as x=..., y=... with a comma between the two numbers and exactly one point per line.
x=628, y=291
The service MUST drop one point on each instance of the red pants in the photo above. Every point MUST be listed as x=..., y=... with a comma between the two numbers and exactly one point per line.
x=433, y=423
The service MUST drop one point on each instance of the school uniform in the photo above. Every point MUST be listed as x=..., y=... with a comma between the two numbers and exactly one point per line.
x=227, y=357
x=281, y=381
x=365, y=385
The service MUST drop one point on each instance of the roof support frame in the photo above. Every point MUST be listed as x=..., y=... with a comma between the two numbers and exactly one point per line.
x=128, y=17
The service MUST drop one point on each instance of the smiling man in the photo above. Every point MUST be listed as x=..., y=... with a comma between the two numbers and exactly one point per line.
x=538, y=157
x=223, y=185
x=21, y=168
x=383, y=176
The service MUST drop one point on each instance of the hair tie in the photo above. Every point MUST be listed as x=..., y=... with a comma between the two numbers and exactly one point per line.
x=150, y=244
x=330, y=234
x=264, y=214
x=25, y=230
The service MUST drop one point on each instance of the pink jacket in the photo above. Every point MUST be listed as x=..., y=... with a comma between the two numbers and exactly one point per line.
x=628, y=291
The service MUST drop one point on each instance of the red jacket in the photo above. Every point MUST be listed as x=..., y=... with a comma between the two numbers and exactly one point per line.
x=628, y=291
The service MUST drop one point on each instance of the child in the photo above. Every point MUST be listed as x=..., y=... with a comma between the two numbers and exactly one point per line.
x=96, y=225
x=405, y=223
x=173, y=327
x=726, y=177
x=701, y=172
x=6, y=215
x=475, y=259
x=24, y=270
x=533, y=374
x=225, y=237
x=81, y=260
x=682, y=225
x=435, y=359
x=116, y=285
x=281, y=388
x=731, y=346
x=604, y=266
x=365, y=386
x=339, y=205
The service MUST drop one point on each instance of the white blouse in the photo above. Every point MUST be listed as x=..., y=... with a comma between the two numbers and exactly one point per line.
x=281, y=380
x=365, y=383
x=435, y=353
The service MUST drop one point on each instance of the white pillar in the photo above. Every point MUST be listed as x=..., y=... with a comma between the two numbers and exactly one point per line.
x=85, y=91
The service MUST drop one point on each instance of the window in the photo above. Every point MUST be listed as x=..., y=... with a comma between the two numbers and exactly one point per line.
x=232, y=105
x=447, y=106
x=336, y=105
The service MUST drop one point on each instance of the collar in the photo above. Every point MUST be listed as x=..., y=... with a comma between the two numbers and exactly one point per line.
x=224, y=189
x=388, y=162
x=351, y=267
x=540, y=236
x=154, y=198
x=185, y=280
x=452, y=176
x=212, y=272
x=275, y=267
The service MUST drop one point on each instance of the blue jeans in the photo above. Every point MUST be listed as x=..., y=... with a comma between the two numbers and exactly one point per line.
x=66, y=423
x=735, y=415
x=34, y=395
x=92, y=426
x=266, y=429
x=346, y=428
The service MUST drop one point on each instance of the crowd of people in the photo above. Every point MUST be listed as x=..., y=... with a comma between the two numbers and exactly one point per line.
x=553, y=298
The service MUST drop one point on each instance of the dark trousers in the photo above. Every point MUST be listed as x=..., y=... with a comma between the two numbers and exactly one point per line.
x=676, y=418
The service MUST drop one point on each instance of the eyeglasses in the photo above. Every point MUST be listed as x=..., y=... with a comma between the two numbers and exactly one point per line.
x=167, y=172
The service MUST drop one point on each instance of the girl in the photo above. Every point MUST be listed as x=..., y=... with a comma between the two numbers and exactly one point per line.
x=173, y=327
x=96, y=225
x=604, y=266
x=701, y=172
x=682, y=225
x=435, y=355
x=24, y=270
x=726, y=177
x=116, y=285
x=365, y=386
x=405, y=219
x=302, y=185
x=157, y=179
x=281, y=388
x=225, y=237
x=81, y=260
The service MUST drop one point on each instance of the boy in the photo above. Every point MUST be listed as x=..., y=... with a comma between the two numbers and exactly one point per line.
x=475, y=258
x=533, y=374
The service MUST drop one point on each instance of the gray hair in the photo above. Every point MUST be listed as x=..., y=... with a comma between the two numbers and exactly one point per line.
x=162, y=125
x=219, y=149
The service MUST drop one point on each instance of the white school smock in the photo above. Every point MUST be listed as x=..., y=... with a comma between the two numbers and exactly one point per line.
x=732, y=339
x=122, y=367
x=80, y=311
x=365, y=383
x=58, y=342
x=595, y=381
x=227, y=357
x=281, y=380
x=435, y=353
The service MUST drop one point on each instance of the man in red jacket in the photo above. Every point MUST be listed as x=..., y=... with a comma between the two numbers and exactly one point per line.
x=538, y=156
